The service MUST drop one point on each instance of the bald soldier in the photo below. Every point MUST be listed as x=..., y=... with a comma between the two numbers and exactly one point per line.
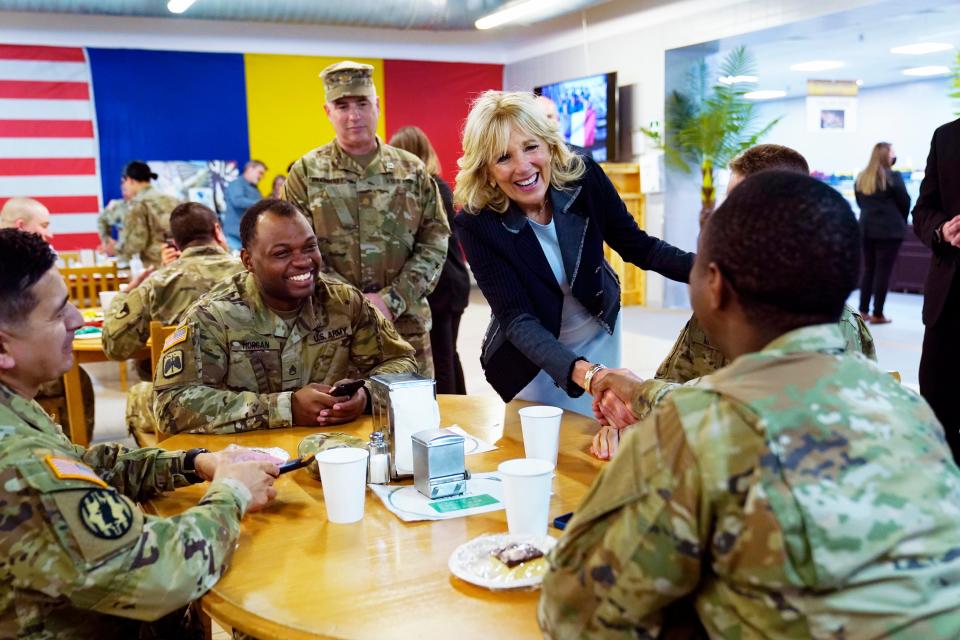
x=147, y=225
x=26, y=214
x=263, y=349
x=780, y=497
x=80, y=560
x=165, y=295
x=375, y=209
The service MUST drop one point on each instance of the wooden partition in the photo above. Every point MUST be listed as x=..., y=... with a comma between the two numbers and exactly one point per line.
x=633, y=281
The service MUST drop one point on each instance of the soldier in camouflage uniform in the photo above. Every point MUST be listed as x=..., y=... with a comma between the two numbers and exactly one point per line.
x=111, y=218
x=79, y=558
x=375, y=209
x=147, y=225
x=263, y=349
x=165, y=295
x=779, y=497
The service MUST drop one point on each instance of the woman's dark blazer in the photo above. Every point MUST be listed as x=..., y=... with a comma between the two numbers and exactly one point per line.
x=525, y=298
x=883, y=215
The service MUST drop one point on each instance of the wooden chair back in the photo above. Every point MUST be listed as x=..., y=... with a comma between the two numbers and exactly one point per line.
x=69, y=258
x=158, y=335
x=84, y=284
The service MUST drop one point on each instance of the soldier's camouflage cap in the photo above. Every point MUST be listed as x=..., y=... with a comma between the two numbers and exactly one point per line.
x=347, y=78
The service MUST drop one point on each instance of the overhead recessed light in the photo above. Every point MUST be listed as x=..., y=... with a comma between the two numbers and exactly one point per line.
x=934, y=70
x=510, y=13
x=179, y=6
x=764, y=94
x=817, y=65
x=921, y=48
x=737, y=79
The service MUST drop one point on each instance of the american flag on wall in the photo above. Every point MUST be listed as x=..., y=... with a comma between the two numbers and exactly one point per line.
x=48, y=138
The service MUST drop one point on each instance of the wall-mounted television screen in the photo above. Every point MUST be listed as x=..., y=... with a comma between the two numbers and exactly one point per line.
x=588, y=113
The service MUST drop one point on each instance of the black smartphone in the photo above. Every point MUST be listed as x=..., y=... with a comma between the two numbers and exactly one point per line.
x=560, y=522
x=346, y=388
x=296, y=463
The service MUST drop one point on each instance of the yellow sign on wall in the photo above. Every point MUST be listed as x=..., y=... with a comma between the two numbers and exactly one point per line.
x=285, y=107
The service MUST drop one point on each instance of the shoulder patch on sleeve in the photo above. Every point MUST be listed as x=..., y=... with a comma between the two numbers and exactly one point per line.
x=172, y=363
x=67, y=469
x=122, y=312
x=101, y=522
x=176, y=337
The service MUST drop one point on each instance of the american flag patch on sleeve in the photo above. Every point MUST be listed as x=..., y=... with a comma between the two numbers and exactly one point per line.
x=176, y=337
x=65, y=468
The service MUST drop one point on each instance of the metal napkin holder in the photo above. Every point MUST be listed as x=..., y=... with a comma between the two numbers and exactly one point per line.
x=438, y=463
x=383, y=387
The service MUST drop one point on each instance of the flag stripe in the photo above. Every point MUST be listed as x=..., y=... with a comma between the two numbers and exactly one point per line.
x=43, y=71
x=71, y=241
x=47, y=166
x=73, y=223
x=46, y=128
x=66, y=204
x=18, y=109
x=56, y=54
x=44, y=90
x=48, y=147
x=33, y=186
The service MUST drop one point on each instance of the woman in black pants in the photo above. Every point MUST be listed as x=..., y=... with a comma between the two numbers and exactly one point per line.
x=884, y=205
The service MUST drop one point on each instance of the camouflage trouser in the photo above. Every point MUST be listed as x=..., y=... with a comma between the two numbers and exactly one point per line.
x=52, y=395
x=140, y=418
x=424, y=355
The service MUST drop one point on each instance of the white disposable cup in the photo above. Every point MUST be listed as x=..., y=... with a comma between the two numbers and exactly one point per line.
x=526, y=495
x=541, y=432
x=343, y=473
x=106, y=297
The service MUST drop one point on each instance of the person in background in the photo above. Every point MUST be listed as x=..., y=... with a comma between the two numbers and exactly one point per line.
x=110, y=221
x=80, y=559
x=452, y=293
x=26, y=214
x=276, y=190
x=146, y=228
x=936, y=221
x=375, y=209
x=884, y=206
x=264, y=349
x=781, y=497
x=535, y=218
x=165, y=295
x=241, y=194
x=549, y=108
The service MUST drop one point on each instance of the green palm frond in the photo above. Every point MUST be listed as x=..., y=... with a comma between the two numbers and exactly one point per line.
x=955, y=94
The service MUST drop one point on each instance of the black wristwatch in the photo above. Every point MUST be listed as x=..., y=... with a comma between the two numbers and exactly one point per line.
x=190, y=465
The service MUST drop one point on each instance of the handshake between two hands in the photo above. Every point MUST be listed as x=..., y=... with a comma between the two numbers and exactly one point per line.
x=612, y=390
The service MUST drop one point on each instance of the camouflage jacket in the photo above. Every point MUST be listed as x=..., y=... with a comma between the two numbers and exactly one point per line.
x=165, y=296
x=112, y=216
x=233, y=364
x=780, y=498
x=80, y=560
x=381, y=229
x=147, y=226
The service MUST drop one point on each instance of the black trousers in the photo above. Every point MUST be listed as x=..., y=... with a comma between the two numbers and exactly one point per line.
x=878, y=259
x=939, y=383
x=446, y=360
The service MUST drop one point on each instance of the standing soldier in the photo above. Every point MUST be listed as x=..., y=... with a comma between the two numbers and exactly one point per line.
x=110, y=221
x=147, y=226
x=375, y=209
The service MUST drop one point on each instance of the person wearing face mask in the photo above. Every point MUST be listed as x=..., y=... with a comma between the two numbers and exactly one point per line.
x=884, y=205
x=264, y=348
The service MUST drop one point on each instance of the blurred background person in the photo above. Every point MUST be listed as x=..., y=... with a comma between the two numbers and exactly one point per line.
x=146, y=227
x=884, y=206
x=26, y=214
x=110, y=220
x=241, y=194
x=452, y=293
x=277, y=188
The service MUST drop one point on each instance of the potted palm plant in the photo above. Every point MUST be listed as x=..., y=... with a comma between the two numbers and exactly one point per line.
x=711, y=122
x=955, y=84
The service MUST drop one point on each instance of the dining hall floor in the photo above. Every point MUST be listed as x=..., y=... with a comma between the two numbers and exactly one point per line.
x=647, y=336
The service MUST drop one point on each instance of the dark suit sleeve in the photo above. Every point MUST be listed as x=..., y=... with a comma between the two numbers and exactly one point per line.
x=928, y=215
x=633, y=244
x=900, y=195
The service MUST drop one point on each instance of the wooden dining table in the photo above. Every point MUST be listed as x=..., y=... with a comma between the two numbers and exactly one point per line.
x=294, y=575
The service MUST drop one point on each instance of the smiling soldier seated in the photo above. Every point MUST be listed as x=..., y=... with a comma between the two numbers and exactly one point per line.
x=263, y=348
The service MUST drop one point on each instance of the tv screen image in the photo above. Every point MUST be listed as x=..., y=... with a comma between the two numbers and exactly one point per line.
x=587, y=109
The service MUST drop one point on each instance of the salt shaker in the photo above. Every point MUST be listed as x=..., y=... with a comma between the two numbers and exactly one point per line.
x=378, y=465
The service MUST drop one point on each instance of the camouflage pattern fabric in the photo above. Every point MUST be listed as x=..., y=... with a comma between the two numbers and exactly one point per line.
x=53, y=395
x=139, y=412
x=79, y=558
x=381, y=229
x=781, y=498
x=233, y=364
x=112, y=216
x=147, y=226
x=324, y=441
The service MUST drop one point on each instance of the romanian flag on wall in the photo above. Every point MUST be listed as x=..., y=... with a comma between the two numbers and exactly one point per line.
x=71, y=118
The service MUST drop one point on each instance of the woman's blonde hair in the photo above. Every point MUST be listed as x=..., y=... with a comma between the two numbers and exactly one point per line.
x=485, y=138
x=874, y=177
x=414, y=140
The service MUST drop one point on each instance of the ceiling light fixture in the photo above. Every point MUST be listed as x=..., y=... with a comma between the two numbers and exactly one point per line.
x=921, y=48
x=934, y=70
x=179, y=6
x=510, y=13
x=764, y=94
x=737, y=79
x=817, y=65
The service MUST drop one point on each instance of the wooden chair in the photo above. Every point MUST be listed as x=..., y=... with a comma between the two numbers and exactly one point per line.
x=69, y=258
x=84, y=284
x=158, y=335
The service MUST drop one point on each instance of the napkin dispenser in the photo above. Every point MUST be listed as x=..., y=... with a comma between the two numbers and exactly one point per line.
x=438, y=463
x=402, y=404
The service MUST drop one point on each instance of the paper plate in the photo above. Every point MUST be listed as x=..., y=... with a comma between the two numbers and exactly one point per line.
x=472, y=562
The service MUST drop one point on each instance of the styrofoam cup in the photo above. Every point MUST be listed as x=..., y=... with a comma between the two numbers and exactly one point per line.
x=106, y=297
x=541, y=432
x=526, y=495
x=343, y=473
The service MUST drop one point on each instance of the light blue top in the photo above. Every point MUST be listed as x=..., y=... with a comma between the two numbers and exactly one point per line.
x=240, y=195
